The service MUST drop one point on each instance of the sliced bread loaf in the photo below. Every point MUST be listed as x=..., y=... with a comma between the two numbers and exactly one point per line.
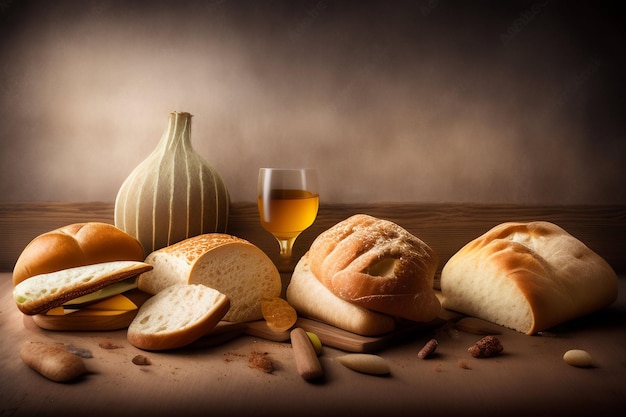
x=231, y=265
x=176, y=317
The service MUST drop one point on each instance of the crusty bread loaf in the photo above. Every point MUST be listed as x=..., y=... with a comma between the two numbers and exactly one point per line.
x=176, y=317
x=528, y=277
x=75, y=245
x=43, y=292
x=312, y=299
x=231, y=265
x=378, y=265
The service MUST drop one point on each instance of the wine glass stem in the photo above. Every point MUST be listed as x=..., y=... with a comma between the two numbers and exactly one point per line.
x=286, y=246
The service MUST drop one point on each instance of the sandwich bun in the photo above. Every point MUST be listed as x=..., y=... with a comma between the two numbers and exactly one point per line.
x=75, y=245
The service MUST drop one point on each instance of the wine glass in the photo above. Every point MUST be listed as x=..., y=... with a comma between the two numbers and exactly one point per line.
x=288, y=200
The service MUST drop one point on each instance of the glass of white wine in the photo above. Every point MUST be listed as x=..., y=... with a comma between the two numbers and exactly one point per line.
x=288, y=200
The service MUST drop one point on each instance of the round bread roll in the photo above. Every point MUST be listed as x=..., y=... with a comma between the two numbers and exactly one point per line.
x=75, y=245
x=378, y=265
x=528, y=277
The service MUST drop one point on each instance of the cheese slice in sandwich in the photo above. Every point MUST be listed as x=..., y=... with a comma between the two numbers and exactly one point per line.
x=115, y=304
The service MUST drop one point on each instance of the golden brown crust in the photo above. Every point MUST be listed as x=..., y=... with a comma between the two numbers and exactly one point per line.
x=527, y=276
x=75, y=245
x=378, y=265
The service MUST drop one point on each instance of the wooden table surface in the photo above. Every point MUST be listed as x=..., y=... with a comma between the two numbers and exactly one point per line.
x=530, y=376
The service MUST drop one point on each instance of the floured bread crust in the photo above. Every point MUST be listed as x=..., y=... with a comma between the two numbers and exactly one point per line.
x=378, y=265
x=528, y=277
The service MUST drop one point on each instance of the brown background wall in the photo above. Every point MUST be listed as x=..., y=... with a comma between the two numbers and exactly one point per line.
x=425, y=101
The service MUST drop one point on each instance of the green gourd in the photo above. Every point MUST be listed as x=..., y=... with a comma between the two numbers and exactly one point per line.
x=173, y=194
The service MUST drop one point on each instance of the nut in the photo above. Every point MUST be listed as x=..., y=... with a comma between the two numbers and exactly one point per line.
x=486, y=347
x=365, y=363
x=429, y=348
x=142, y=360
x=577, y=357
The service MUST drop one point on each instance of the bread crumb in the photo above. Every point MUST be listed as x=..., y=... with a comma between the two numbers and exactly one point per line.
x=260, y=361
x=106, y=344
x=486, y=347
x=463, y=364
x=230, y=356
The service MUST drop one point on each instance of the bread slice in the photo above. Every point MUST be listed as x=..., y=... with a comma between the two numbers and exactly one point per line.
x=528, y=277
x=231, y=265
x=378, y=265
x=176, y=317
x=45, y=291
x=311, y=299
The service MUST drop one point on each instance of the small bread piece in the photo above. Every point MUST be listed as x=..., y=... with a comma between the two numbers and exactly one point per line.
x=177, y=316
x=75, y=245
x=42, y=292
x=378, y=265
x=528, y=277
x=312, y=299
x=52, y=361
x=229, y=264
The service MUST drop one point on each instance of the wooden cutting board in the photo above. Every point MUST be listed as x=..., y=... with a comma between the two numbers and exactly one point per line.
x=329, y=335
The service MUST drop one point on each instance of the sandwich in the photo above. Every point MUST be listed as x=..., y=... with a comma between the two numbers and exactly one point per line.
x=78, y=277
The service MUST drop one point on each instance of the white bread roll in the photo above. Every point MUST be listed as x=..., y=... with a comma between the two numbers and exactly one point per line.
x=43, y=292
x=75, y=245
x=311, y=299
x=233, y=266
x=377, y=265
x=176, y=317
x=528, y=277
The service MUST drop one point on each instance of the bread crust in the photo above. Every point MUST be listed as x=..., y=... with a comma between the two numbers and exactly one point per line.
x=75, y=245
x=527, y=276
x=376, y=264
